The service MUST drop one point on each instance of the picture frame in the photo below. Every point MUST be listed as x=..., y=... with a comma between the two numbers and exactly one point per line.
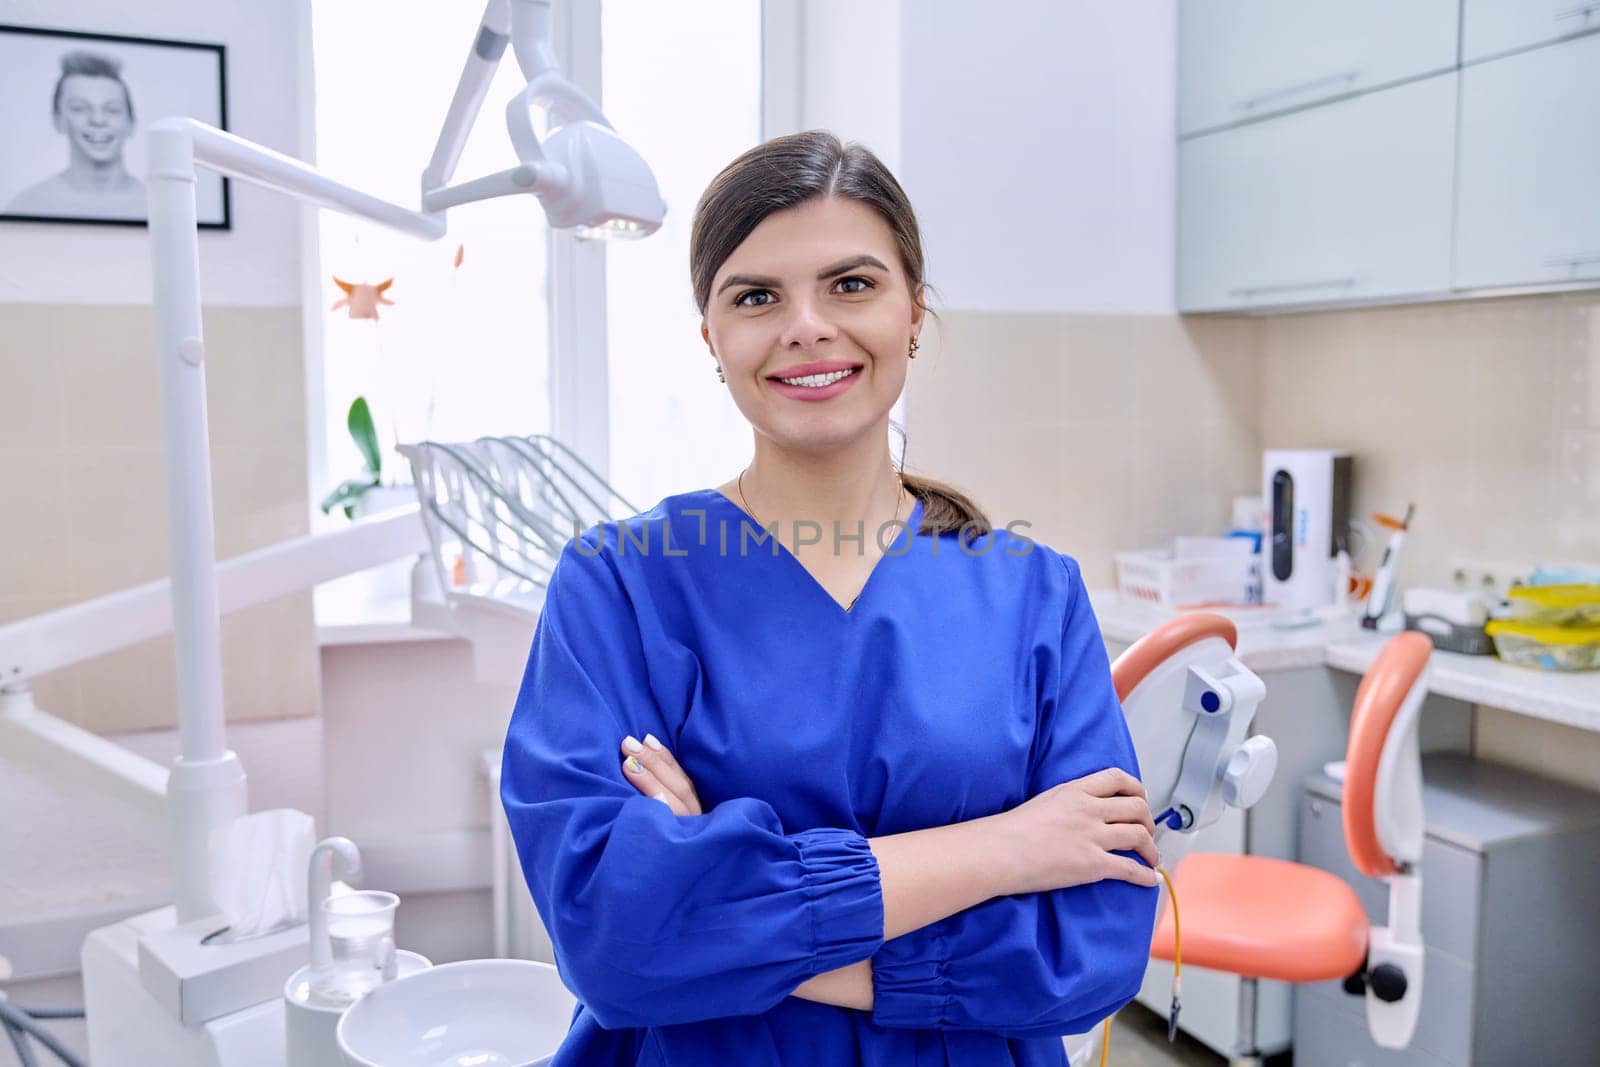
x=73, y=106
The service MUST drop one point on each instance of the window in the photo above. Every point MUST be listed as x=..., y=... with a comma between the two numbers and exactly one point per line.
x=462, y=352
x=682, y=83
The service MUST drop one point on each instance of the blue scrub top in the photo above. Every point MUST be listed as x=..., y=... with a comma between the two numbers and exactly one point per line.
x=963, y=682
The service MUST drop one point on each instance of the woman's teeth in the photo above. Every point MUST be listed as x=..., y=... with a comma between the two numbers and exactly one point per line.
x=815, y=381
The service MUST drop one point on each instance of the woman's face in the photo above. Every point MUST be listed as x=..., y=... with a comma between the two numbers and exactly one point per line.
x=820, y=283
x=94, y=115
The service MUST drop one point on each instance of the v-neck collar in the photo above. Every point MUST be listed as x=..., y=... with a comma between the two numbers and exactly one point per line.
x=912, y=523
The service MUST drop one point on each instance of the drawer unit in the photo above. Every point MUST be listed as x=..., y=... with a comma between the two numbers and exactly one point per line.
x=1510, y=868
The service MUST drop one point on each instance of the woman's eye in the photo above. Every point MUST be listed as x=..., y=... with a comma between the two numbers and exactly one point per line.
x=740, y=301
x=865, y=282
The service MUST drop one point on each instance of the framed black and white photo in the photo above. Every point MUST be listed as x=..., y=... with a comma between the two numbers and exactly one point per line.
x=73, y=107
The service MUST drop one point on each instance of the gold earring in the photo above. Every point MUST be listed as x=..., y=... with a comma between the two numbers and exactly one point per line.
x=720, y=378
x=915, y=344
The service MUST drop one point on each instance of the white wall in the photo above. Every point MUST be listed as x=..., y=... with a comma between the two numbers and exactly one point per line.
x=256, y=263
x=1038, y=145
x=850, y=73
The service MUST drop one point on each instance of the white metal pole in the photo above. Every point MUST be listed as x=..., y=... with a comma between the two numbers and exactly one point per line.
x=206, y=788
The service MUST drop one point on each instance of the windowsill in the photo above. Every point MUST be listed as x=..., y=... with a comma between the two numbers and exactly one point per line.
x=372, y=607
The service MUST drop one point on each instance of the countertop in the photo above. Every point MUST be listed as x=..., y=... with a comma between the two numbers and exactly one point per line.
x=1572, y=699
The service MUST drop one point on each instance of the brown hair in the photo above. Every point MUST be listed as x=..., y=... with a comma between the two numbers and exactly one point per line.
x=784, y=173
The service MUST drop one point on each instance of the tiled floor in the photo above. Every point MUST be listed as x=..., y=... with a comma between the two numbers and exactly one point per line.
x=1139, y=1039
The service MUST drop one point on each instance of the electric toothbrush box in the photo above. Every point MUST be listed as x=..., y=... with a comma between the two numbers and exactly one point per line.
x=198, y=982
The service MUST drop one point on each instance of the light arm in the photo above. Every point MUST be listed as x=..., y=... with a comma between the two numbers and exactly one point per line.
x=487, y=47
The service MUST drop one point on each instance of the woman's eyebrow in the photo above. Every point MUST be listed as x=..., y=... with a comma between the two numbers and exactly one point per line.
x=822, y=275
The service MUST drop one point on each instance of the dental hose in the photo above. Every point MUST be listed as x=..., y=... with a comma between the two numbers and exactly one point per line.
x=21, y=1025
x=1177, y=973
x=19, y=1041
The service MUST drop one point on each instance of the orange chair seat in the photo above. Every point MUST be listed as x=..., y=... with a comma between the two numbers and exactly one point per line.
x=1264, y=918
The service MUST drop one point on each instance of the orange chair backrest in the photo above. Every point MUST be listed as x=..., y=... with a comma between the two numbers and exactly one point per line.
x=1383, y=690
x=1164, y=642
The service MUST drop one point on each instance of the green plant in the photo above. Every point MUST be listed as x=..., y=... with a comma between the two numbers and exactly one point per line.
x=365, y=435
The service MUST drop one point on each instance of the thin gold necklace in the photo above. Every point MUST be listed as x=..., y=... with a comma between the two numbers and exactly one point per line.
x=899, y=479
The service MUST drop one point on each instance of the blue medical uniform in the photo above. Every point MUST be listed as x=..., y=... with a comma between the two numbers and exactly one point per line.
x=963, y=682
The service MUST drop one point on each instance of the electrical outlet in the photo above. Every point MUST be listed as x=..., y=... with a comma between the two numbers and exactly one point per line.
x=1489, y=578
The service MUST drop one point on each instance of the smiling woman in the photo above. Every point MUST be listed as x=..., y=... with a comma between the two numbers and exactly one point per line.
x=885, y=810
x=854, y=295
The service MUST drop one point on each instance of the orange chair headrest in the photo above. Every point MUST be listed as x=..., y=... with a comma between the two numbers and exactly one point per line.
x=1164, y=642
x=1383, y=690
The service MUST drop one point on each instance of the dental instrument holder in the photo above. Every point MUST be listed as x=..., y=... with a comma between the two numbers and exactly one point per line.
x=1221, y=766
x=1194, y=737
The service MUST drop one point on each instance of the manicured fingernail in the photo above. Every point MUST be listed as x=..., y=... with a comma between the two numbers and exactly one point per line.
x=650, y=739
x=632, y=744
x=633, y=765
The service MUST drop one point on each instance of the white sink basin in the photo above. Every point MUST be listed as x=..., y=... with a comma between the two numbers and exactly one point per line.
x=476, y=1013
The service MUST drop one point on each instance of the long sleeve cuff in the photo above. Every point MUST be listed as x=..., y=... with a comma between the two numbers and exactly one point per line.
x=845, y=895
x=911, y=981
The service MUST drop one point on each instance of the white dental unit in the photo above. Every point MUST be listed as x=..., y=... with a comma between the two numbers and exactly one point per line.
x=164, y=987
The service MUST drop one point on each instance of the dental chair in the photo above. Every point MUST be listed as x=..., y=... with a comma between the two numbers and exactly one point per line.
x=1189, y=703
x=1259, y=917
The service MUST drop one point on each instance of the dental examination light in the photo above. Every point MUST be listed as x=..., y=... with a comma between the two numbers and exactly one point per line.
x=585, y=176
x=161, y=994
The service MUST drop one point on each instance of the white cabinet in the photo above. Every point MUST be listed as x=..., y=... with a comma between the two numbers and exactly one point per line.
x=1492, y=27
x=1528, y=208
x=1347, y=201
x=1242, y=59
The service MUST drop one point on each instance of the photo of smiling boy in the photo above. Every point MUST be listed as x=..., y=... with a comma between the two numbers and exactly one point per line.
x=92, y=108
x=75, y=106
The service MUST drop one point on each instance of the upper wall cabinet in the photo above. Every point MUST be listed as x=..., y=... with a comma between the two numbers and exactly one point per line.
x=1528, y=207
x=1492, y=27
x=1243, y=59
x=1347, y=201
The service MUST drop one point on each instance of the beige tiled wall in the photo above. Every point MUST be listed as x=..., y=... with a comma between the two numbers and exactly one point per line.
x=1111, y=432
x=85, y=502
x=1485, y=413
x=1103, y=431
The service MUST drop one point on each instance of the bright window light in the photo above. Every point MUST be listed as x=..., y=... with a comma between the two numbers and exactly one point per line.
x=682, y=82
x=462, y=352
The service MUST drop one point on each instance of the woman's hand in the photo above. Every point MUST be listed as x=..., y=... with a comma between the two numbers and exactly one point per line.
x=1067, y=835
x=650, y=768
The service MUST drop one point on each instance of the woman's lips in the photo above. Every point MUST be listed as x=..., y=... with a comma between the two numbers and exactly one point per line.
x=815, y=393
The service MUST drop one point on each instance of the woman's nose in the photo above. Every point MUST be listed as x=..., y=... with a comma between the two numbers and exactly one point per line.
x=808, y=323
